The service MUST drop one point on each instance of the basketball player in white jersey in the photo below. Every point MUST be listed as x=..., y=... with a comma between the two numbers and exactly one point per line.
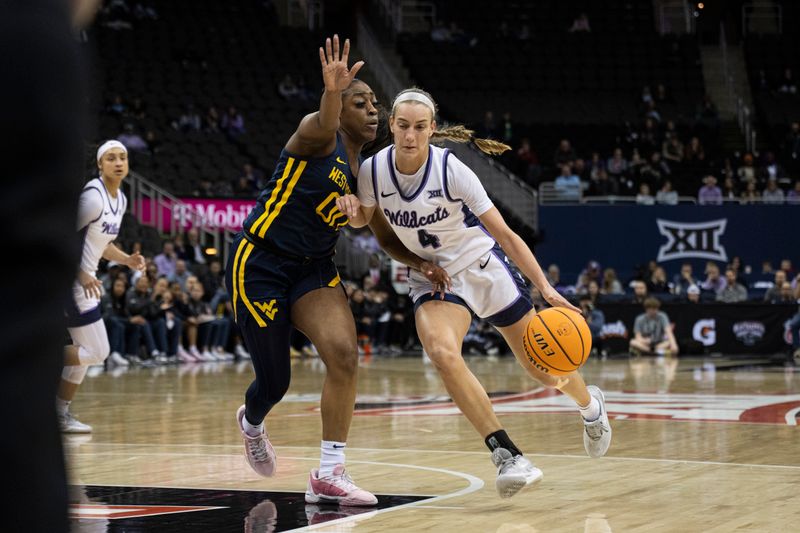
x=440, y=211
x=100, y=210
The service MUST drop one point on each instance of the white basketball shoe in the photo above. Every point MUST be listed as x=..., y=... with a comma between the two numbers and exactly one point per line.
x=513, y=472
x=70, y=424
x=597, y=434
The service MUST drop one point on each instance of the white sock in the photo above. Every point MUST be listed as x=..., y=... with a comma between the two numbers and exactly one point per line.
x=331, y=454
x=591, y=412
x=62, y=406
x=250, y=429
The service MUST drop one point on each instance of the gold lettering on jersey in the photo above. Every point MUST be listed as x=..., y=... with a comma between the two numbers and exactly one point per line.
x=340, y=179
x=330, y=214
x=268, y=308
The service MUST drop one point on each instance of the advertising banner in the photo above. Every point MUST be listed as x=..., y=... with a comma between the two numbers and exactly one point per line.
x=215, y=213
x=624, y=236
x=726, y=328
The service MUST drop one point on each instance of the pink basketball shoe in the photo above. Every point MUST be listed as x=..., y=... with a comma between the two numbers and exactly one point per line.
x=337, y=488
x=257, y=450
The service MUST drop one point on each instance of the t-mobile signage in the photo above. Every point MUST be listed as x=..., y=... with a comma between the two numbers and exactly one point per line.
x=212, y=213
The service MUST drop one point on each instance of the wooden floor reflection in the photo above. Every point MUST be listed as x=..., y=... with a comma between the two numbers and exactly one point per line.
x=699, y=445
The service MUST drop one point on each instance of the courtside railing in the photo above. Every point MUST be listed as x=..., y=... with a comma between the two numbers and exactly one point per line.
x=549, y=195
x=156, y=207
x=408, y=15
x=379, y=63
x=762, y=17
x=675, y=16
x=513, y=193
x=307, y=13
x=744, y=116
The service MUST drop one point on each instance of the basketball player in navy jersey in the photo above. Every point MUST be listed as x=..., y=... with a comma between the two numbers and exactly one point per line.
x=439, y=209
x=101, y=207
x=280, y=274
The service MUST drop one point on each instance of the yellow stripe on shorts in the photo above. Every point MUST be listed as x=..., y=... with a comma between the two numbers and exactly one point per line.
x=235, y=275
x=248, y=248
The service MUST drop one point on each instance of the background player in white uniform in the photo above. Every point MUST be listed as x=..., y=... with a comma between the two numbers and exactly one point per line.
x=100, y=210
x=440, y=211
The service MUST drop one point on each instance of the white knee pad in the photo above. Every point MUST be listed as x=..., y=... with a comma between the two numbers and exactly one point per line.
x=74, y=374
x=92, y=341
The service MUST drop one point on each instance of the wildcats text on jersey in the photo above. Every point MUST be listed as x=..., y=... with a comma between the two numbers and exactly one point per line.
x=410, y=219
x=110, y=228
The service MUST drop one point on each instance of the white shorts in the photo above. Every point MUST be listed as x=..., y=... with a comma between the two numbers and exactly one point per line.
x=81, y=310
x=491, y=288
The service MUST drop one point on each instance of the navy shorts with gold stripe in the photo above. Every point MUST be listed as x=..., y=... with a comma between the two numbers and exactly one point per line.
x=264, y=285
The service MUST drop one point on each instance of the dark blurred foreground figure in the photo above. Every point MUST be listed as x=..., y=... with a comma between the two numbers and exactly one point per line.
x=41, y=148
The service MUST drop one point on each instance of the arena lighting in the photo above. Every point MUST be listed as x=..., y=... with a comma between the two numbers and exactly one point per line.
x=700, y=5
x=211, y=251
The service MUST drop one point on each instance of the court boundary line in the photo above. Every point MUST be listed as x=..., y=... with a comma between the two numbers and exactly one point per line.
x=353, y=461
x=474, y=484
x=140, y=486
x=459, y=452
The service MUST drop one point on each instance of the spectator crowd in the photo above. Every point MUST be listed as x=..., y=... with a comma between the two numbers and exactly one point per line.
x=178, y=310
x=656, y=160
x=732, y=284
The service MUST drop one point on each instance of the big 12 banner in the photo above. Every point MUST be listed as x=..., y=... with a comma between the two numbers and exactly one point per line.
x=629, y=236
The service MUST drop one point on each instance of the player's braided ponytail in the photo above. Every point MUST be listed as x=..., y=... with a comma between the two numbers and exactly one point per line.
x=461, y=134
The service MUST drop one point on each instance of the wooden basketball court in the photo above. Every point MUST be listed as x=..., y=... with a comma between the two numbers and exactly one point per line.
x=698, y=446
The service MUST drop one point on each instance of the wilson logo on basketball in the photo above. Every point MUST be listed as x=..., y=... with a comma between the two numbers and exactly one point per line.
x=528, y=351
x=543, y=346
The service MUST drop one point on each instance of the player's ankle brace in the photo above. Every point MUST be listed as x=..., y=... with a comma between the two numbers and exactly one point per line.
x=499, y=439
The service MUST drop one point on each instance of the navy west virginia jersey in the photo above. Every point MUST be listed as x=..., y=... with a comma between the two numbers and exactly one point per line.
x=296, y=212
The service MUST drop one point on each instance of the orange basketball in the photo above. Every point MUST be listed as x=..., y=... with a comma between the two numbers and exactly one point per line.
x=558, y=341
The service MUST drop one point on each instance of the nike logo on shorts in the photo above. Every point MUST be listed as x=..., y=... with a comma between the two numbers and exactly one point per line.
x=387, y=195
x=486, y=262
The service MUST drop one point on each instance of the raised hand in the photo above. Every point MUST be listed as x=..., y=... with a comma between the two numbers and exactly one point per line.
x=335, y=73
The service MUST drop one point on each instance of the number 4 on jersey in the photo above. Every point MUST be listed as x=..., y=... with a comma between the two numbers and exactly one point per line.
x=428, y=239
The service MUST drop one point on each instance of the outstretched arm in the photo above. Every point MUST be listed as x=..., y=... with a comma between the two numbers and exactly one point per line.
x=518, y=251
x=317, y=131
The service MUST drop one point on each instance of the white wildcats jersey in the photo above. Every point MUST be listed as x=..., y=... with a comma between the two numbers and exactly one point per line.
x=100, y=217
x=434, y=212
